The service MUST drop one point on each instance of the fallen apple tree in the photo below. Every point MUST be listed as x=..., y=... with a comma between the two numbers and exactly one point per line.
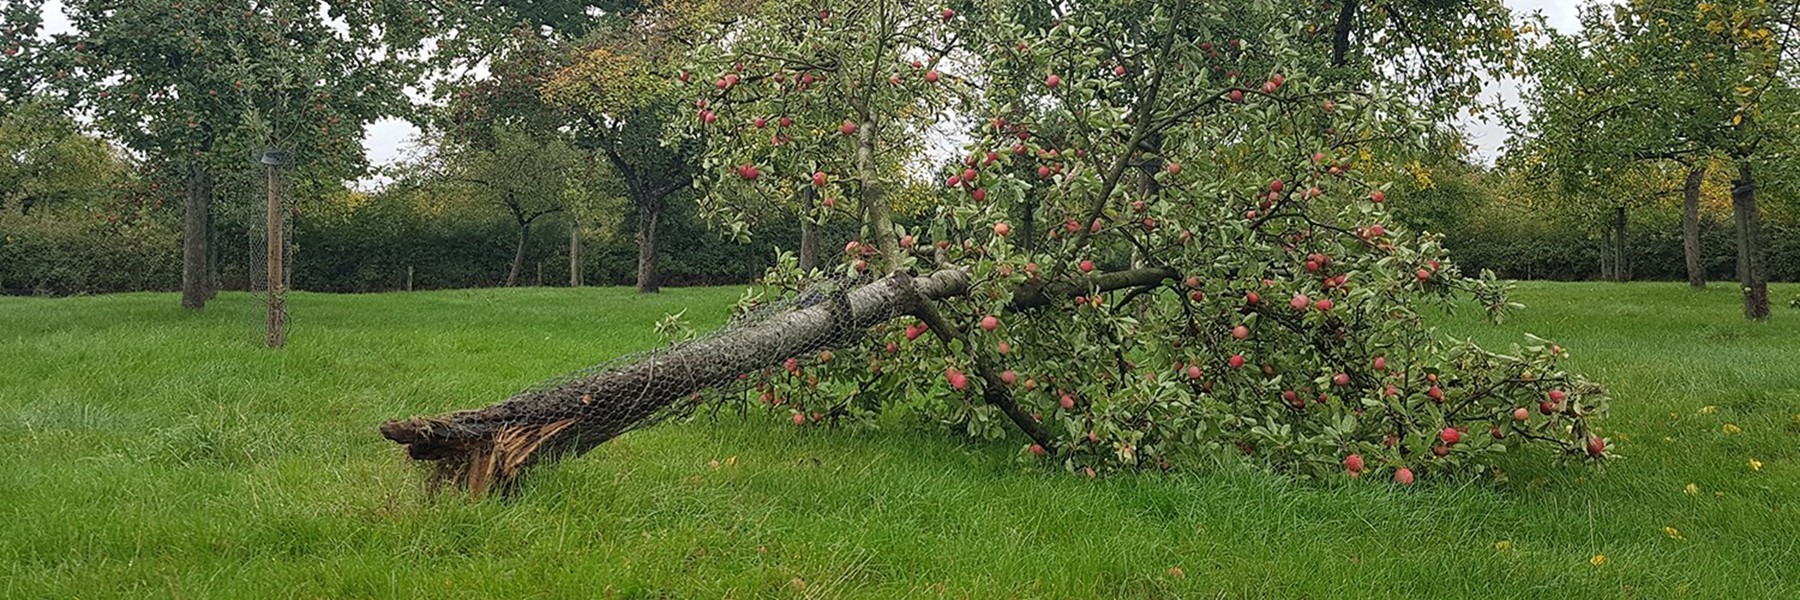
x=490, y=447
x=1219, y=277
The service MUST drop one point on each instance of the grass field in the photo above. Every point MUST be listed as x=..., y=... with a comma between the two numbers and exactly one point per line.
x=152, y=452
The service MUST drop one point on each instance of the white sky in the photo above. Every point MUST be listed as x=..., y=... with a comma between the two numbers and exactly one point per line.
x=387, y=139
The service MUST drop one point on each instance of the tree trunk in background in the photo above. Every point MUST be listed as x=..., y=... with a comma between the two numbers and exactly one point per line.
x=512, y=275
x=574, y=253
x=196, y=222
x=1690, y=225
x=649, y=215
x=1621, y=266
x=1751, y=273
x=1606, y=254
x=809, y=231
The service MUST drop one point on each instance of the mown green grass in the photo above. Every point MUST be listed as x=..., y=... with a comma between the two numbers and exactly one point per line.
x=152, y=452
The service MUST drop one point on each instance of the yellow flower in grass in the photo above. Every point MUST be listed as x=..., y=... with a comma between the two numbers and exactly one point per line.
x=1755, y=465
x=1709, y=409
x=1597, y=560
x=1503, y=545
x=1672, y=532
x=1692, y=490
x=1731, y=429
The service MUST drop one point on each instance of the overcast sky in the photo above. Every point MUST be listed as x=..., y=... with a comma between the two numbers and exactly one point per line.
x=387, y=139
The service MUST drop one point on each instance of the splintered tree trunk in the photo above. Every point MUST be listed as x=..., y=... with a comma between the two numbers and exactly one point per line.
x=518, y=262
x=196, y=222
x=649, y=215
x=486, y=449
x=1690, y=225
x=809, y=231
x=1751, y=272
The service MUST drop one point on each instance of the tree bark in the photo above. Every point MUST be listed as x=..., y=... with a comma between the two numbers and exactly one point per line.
x=874, y=201
x=809, y=231
x=1340, y=34
x=1752, y=274
x=196, y=221
x=1606, y=254
x=518, y=262
x=648, y=218
x=1621, y=266
x=488, y=448
x=1690, y=225
x=574, y=253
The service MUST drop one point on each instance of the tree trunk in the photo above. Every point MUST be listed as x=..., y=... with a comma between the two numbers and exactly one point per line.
x=1606, y=271
x=518, y=262
x=196, y=221
x=649, y=216
x=1621, y=266
x=1751, y=273
x=874, y=202
x=574, y=253
x=809, y=231
x=1690, y=225
x=488, y=448
x=1340, y=34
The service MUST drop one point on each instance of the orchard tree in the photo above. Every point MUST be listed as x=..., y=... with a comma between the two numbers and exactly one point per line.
x=523, y=176
x=1223, y=277
x=1659, y=80
x=198, y=87
x=620, y=89
x=46, y=160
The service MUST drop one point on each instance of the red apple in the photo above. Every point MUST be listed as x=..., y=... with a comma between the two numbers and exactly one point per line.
x=799, y=418
x=1354, y=462
x=1377, y=196
x=1052, y=80
x=1300, y=302
x=1520, y=414
x=1236, y=361
x=1037, y=449
x=1252, y=298
x=948, y=14
x=1596, y=446
x=1450, y=436
x=990, y=323
x=1086, y=266
x=1067, y=402
x=1404, y=476
x=1341, y=379
x=819, y=178
x=931, y=76
x=980, y=195
x=1381, y=363
x=1008, y=377
x=1435, y=393
x=1174, y=168
x=847, y=128
x=1240, y=332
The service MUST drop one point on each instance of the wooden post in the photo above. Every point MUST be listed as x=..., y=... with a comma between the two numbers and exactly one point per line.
x=409, y=278
x=277, y=252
